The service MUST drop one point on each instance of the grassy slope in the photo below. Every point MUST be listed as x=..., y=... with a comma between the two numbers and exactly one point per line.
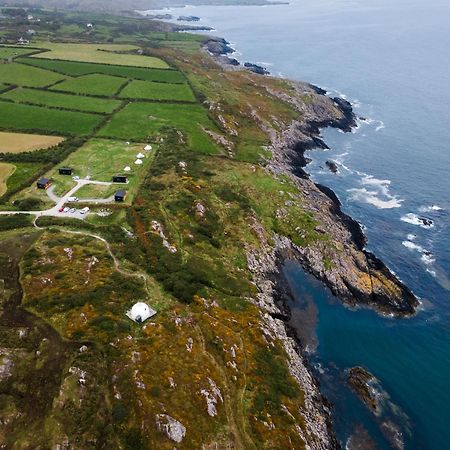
x=58, y=100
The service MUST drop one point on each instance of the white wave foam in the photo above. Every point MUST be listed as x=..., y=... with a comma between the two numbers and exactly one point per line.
x=371, y=197
x=410, y=245
x=427, y=258
x=431, y=272
x=411, y=237
x=414, y=219
x=380, y=125
x=430, y=208
x=378, y=195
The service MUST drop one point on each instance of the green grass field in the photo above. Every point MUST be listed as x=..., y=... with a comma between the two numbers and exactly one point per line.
x=138, y=121
x=149, y=90
x=94, y=84
x=100, y=53
x=48, y=98
x=15, y=116
x=83, y=68
x=22, y=75
x=24, y=171
x=14, y=52
x=101, y=159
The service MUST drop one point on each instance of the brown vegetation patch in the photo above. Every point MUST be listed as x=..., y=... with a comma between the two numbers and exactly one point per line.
x=21, y=142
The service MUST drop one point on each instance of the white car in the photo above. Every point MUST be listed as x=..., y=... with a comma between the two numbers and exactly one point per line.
x=72, y=210
x=65, y=209
x=85, y=210
x=75, y=178
x=72, y=199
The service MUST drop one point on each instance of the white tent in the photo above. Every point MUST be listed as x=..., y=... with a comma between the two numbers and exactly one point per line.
x=138, y=161
x=127, y=169
x=140, y=156
x=140, y=312
x=148, y=147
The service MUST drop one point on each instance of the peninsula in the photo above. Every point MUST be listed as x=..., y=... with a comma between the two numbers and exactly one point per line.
x=142, y=299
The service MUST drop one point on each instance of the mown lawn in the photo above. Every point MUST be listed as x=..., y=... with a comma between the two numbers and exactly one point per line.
x=149, y=90
x=22, y=75
x=67, y=101
x=15, y=116
x=14, y=52
x=139, y=121
x=83, y=68
x=95, y=84
x=100, y=53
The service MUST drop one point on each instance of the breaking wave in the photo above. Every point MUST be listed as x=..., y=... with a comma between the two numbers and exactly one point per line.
x=414, y=219
x=376, y=194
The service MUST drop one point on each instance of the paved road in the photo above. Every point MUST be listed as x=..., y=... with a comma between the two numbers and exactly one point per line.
x=61, y=201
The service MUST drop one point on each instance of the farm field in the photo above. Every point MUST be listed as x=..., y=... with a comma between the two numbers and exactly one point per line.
x=20, y=142
x=149, y=90
x=95, y=84
x=15, y=116
x=138, y=121
x=6, y=170
x=22, y=75
x=14, y=52
x=100, y=53
x=101, y=159
x=74, y=68
x=56, y=99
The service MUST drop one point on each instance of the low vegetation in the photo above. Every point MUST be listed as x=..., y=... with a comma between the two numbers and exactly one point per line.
x=6, y=170
x=74, y=68
x=23, y=75
x=19, y=142
x=117, y=54
x=157, y=91
x=141, y=121
x=63, y=101
x=95, y=84
x=15, y=116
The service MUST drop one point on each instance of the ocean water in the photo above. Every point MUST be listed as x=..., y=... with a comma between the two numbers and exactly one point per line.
x=391, y=59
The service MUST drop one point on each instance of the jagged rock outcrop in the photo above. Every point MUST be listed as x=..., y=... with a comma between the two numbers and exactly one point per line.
x=353, y=274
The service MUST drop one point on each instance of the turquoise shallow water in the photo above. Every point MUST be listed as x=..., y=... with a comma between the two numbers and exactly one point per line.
x=391, y=59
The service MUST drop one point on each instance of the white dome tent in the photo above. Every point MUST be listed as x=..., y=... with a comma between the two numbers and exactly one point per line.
x=138, y=162
x=127, y=169
x=140, y=156
x=140, y=312
x=148, y=147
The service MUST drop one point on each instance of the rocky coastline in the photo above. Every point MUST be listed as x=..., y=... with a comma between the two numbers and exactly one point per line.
x=354, y=275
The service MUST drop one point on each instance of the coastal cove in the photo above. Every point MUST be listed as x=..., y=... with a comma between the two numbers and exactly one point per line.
x=391, y=171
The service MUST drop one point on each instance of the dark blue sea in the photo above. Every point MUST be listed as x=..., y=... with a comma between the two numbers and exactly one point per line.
x=391, y=59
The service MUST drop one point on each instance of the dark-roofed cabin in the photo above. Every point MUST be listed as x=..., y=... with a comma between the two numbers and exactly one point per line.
x=43, y=183
x=65, y=171
x=120, y=179
x=120, y=196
